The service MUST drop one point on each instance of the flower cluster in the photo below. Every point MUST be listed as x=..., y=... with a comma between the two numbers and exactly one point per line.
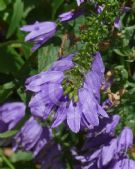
x=49, y=95
x=106, y=150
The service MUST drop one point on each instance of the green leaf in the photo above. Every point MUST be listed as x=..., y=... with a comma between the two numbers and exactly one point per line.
x=2, y=5
x=28, y=10
x=55, y=5
x=22, y=94
x=8, y=134
x=21, y=156
x=6, y=90
x=46, y=56
x=123, y=51
x=10, y=60
x=16, y=17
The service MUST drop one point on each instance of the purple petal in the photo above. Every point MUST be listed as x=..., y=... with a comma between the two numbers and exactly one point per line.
x=79, y=2
x=117, y=23
x=108, y=152
x=62, y=65
x=98, y=65
x=89, y=107
x=74, y=116
x=45, y=29
x=34, y=83
x=70, y=15
x=12, y=113
x=125, y=139
x=60, y=115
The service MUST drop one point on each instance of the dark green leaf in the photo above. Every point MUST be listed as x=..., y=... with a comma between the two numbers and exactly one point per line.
x=16, y=17
x=10, y=60
x=21, y=156
x=46, y=56
x=2, y=5
x=55, y=5
x=8, y=134
x=6, y=90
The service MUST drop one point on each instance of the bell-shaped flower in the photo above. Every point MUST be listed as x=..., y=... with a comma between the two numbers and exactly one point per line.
x=36, y=82
x=100, y=9
x=40, y=32
x=117, y=23
x=10, y=115
x=79, y=2
x=32, y=137
x=70, y=15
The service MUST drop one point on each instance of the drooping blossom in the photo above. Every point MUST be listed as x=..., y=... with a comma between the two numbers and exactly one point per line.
x=107, y=151
x=10, y=115
x=117, y=23
x=49, y=95
x=79, y=2
x=32, y=137
x=70, y=15
x=39, y=33
x=125, y=9
x=100, y=9
x=101, y=134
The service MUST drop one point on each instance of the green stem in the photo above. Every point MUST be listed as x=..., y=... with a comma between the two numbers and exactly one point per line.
x=10, y=42
x=9, y=164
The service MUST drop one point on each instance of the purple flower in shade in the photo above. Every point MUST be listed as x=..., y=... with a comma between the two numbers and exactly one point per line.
x=50, y=156
x=79, y=2
x=124, y=163
x=107, y=104
x=49, y=95
x=117, y=147
x=40, y=32
x=125, y=9
x=100, y=9
x=117, y=23
x=101, y=134
x=10, y=115
x=32, y=137
x=109, y=152
x=70, y=15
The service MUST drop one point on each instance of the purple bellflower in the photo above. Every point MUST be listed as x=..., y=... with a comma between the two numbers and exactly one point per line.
x=10, y=115
x=80, y=113
x=49, y=95
x=70, y=15
x=79, y=2
x=101, y=134
x=40, y=32
x=100, y=9
x=32, y=137
x=109, y=152
x=117, y=23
